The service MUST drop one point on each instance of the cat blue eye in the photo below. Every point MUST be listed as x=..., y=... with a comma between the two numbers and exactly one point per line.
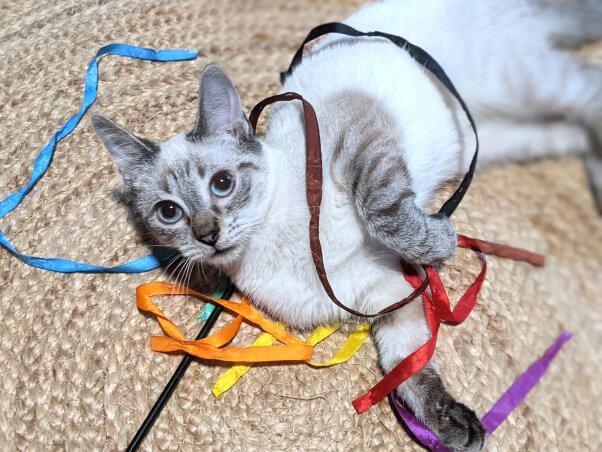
x=222, y=183
x=169, y=212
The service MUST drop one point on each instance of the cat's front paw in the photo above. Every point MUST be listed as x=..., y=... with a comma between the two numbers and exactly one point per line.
x=446, y=241
x=458, y=427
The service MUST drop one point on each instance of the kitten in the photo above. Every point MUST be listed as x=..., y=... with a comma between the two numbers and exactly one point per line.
x=391, y=136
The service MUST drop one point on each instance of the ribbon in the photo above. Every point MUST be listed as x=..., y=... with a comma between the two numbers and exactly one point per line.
x=436, y=307
x=262, y=349
x=436, y=310
x=44, y=160
x=424, y=59
x=352, y=344
x=350, y=347
x=499, y=411
x=230, y=377
x=293, y=348
x=522, y=386
x=313, y=188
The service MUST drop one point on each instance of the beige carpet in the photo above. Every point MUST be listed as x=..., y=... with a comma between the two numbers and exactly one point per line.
x=75, y=364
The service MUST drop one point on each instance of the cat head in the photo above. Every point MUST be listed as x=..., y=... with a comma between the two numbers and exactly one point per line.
x=201, y=193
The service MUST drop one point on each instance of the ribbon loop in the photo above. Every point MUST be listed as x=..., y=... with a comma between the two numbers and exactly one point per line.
x=423, y=58
x=44, y=160
x=313, y=187
x=212, y=347
x=262, y=350
x=436, y=309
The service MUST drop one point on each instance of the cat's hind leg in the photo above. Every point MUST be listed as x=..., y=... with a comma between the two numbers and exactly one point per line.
x=396, y=336
x=584, y=104
x=507, y=141
x=579, y=98
x=551, y=84
x=593, y=166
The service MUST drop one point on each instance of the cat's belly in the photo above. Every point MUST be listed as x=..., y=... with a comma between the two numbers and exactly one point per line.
x=279, y=276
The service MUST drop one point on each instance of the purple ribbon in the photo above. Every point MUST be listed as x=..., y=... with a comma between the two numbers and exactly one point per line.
x=499, y=411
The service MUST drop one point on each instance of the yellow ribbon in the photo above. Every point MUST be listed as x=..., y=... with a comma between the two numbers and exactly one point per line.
x=352, y=344
x=231, y=376
x=350, y=347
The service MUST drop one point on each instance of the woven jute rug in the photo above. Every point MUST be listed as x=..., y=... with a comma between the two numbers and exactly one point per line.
x=75, y=364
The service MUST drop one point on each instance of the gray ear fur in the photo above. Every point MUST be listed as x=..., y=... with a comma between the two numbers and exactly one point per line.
x=128, y=151
x=220, y=110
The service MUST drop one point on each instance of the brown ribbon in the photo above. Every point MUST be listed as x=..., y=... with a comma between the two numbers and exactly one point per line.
x=313, y=181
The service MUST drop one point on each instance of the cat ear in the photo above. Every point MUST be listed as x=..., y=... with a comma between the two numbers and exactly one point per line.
x=220, y=110
x=128, y=151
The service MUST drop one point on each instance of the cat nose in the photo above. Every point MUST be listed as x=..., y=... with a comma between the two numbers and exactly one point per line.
x=207, y=237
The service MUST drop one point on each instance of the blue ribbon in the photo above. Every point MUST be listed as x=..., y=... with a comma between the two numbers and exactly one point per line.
x=44, y=160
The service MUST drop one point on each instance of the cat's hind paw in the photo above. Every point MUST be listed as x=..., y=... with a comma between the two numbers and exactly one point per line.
x=459, y=428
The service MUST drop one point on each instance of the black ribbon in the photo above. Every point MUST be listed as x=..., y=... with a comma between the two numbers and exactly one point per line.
x=429, y=63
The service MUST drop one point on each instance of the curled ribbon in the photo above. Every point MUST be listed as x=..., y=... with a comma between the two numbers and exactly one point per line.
x=262, y=349
x=437, y=309
x=44, y=160
x=213, y=347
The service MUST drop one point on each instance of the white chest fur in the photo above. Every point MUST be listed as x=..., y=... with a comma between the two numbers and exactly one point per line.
x=279, y=275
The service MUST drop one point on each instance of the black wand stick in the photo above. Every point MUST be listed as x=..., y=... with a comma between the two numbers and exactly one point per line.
x=155, y=411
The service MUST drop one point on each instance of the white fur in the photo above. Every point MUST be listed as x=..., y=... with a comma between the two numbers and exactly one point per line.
x=501, y=58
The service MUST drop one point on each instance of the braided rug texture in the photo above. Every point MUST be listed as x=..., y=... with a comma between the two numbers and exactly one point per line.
x=75, y=364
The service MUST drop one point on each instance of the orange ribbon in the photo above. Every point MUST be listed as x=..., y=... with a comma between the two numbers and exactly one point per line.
x=213, y=347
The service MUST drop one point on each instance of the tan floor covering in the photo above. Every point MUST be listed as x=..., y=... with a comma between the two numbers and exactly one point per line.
x=75, y=364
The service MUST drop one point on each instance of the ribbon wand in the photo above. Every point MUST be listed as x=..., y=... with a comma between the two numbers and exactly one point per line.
x=173, y=382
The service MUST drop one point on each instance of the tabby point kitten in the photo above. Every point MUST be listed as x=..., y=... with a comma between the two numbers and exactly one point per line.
x=391, y=136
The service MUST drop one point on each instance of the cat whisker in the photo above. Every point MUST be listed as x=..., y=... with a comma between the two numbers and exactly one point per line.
x=179, y=270
x=172, y=261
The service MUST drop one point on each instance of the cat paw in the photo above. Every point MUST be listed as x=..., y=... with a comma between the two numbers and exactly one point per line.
x=447, y=240
x=459, y=428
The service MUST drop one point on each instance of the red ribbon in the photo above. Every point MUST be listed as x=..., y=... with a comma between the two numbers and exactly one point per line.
x=436, y=310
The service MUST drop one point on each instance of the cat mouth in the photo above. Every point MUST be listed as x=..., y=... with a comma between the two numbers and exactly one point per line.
x=223, y=251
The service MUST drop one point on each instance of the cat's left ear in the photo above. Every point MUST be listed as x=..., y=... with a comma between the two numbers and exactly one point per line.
x=220, y=110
